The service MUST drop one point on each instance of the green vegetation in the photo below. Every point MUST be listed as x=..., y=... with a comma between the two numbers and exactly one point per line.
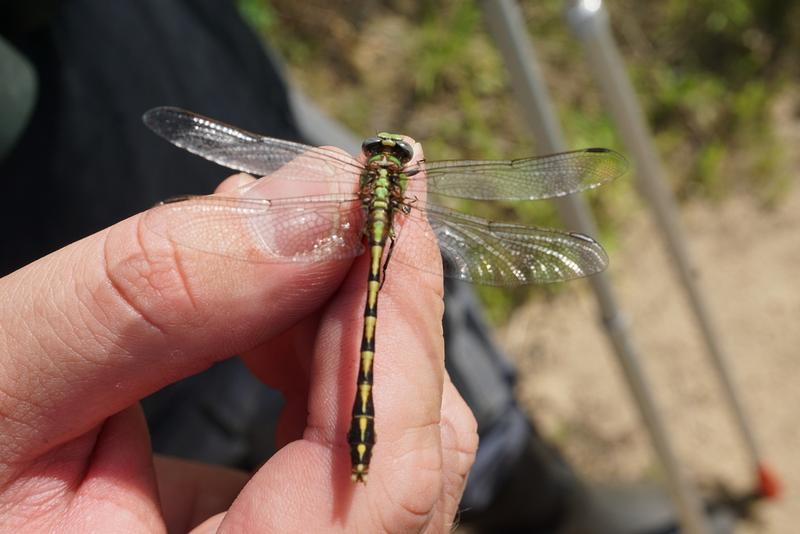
x=708, y=74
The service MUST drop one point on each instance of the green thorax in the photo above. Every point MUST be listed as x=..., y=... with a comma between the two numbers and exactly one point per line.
x=387, y=154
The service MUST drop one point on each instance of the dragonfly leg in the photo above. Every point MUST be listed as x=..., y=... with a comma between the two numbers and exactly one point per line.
x=392, y=240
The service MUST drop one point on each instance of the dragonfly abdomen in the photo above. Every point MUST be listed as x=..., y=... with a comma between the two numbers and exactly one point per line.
x=362, y=427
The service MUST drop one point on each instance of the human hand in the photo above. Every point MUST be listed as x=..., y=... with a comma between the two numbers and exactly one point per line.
x=89, y=330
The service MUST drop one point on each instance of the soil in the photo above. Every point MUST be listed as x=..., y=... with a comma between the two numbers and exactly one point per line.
x=748, y=265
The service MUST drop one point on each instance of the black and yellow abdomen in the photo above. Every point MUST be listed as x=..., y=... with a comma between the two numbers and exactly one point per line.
x=362, y=428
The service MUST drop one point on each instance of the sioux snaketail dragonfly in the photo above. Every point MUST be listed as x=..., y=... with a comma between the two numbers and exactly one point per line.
x=375, y=196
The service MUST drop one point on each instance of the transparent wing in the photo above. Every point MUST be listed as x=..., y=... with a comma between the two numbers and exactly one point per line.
x=261, y=230
x=534, y=178
x=244, y=151
x=499, y=254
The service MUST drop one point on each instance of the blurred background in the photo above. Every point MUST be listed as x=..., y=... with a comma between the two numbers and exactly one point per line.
x=718, y=82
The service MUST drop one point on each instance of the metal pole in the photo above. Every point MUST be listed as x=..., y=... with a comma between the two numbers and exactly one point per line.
x=590, y=23
x=505, y=23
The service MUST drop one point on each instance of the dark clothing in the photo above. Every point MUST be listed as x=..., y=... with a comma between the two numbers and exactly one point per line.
x=86, y=160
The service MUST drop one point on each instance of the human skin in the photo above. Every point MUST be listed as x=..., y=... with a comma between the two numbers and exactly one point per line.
x=89, y=330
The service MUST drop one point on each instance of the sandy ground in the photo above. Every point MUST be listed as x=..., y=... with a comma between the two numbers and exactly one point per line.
x=749, y=265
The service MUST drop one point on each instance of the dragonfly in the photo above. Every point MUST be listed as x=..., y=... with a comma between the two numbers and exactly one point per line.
x=355, y=206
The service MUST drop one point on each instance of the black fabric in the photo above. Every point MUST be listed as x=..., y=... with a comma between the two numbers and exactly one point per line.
x=86, y=160
x=22, y=16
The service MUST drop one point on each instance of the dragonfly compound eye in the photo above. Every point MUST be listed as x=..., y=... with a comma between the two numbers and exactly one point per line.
x=391, y=144
x=372, y=146
x=403, y=151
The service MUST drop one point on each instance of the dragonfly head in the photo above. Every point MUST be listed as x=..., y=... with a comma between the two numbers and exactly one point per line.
x=389, y=144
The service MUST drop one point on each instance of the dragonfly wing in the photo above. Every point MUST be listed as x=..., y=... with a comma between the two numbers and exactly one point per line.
x=500, y=254
x=261, y=230
x=248, y=152
x=534, y=178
